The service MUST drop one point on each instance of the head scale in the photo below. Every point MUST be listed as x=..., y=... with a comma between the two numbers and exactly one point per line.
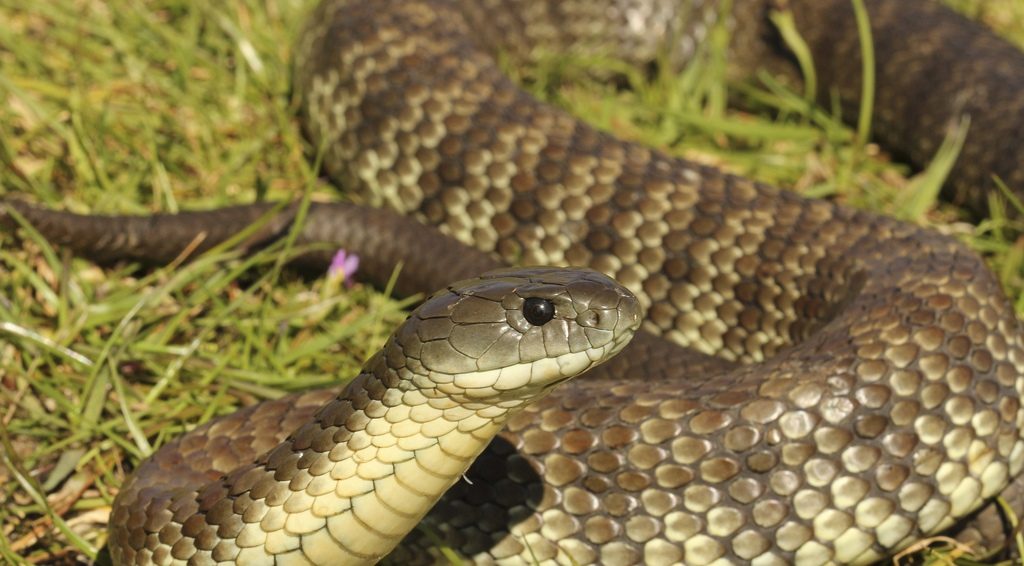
x=512, y=334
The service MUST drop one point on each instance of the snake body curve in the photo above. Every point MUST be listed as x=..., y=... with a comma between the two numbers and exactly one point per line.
x=348, y=482
x=852, y=383
x=867, y=354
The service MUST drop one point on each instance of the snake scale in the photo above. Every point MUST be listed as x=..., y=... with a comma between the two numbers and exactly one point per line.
x=847, y=384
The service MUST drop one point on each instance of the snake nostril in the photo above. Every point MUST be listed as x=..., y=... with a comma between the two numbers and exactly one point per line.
x=590, y=318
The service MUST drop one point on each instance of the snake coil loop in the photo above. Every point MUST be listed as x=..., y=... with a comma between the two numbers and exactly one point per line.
x=847, y=383
x=350, y=480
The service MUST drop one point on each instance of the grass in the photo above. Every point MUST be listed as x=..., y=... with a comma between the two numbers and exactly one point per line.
x=155, y=105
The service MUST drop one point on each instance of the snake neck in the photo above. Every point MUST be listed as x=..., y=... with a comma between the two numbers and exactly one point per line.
x=365, y=471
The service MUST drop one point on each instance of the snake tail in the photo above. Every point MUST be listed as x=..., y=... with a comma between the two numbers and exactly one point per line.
x=381, y=238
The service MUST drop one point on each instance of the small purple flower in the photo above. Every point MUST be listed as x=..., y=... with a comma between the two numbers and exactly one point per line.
x=344, y=265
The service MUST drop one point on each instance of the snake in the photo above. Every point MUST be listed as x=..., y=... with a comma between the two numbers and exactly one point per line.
x=815, y=384
x=377, y=456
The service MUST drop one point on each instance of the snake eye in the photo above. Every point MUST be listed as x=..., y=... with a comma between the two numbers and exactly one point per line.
x=538, y=311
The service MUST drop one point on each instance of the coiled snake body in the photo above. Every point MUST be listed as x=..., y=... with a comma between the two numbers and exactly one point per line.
x=348, y=483
x=877, y=400
x=850, y=384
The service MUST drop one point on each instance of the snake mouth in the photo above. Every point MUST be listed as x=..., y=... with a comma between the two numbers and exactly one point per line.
x=606, y=352
x=559, y=381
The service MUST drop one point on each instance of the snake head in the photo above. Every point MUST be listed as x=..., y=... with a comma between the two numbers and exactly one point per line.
x=509, y=336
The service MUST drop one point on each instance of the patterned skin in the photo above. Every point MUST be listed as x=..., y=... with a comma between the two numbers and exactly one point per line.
x=849, y=383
